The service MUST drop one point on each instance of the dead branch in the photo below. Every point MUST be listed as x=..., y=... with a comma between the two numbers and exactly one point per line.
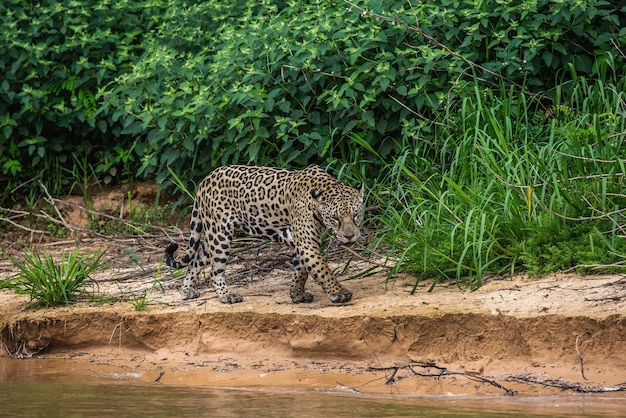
x=439, y=372
x=606, y=298
x=618, y=264
x=112, y=217
x=20, y=226
x=74, y=230
x=580, y=358
x=565, y=385
x=433, y=370
x=618, y=48
x=51, y=200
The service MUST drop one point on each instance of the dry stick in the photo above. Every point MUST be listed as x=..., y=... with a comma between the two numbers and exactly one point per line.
x=358, y=255
x=51, y=200
x=537, y=185
x=580, y=358
x=73, y=228
x=350, y=388
x=413, y=111
x=596, y=266
x=607, y=298
x=120, y=334
x=104, y=215
x=617, y=47
x=587, y=159
x=15, y=224
x=45, y=216
x=19, y=186
x=605, y=214
x=564, y=385
x=481, y=379
x=256, y=244
x=442, y=371
x=142, y=273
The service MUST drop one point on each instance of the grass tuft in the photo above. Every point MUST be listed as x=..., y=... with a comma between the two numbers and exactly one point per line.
x=50, y=283
x=508, y=186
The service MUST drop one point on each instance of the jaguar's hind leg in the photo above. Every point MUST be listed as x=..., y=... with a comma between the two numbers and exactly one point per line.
x=296, y=289
x=189, y=288
x=219, y=249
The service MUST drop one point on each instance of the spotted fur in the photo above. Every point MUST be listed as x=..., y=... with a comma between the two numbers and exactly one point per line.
x=294, y=207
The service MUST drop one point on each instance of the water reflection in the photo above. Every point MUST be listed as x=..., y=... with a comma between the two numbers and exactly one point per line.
x=81, y=400
x=43, y=389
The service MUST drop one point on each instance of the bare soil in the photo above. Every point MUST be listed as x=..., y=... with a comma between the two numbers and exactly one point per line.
x=520, y=334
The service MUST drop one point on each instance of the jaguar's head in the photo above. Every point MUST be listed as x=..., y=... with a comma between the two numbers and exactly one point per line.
x=341, y=209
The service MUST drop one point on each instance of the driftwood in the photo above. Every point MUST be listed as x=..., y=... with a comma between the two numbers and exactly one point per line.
x=566, y=385
x=431, y=369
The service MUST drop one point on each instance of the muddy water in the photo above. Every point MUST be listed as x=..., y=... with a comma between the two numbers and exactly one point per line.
x=31, y=388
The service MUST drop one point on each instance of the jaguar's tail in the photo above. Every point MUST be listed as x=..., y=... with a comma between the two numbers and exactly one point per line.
x=169, y=257
x=194, y=243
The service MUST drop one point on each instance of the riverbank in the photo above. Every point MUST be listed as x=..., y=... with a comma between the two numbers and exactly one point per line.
x=512, y=336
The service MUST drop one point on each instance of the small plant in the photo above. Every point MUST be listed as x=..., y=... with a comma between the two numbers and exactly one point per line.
x=52, y=283
x=140, y=300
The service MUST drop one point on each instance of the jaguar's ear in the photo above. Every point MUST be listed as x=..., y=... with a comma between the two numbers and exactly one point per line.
x=316, y=194
x=361, y=189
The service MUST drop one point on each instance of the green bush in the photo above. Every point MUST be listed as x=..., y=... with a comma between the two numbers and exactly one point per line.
x=54, y=57
x=136, y=87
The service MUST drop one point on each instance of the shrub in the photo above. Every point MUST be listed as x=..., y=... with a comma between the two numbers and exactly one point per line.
x=52, y=283
x=514, y=189
x=136, y=87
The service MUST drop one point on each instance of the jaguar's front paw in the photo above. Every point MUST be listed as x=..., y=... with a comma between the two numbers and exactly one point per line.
x=231, y=298
x=303, y=297
x=189, y=294
x=342, y=297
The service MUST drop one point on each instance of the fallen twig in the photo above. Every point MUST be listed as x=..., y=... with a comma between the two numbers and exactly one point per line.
x=580, y=358
x=439, y=372
x=565, y=385
x=158, y=379
x=31, y=230
x=433, y=370
x=112, y=217
x=367, y=259
x=52, y=200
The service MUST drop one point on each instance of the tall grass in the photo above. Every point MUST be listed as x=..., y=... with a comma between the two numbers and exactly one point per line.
x=51, y=283
x=510, y=184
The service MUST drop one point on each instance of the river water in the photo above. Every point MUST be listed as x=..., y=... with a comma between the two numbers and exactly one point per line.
x=29, y=390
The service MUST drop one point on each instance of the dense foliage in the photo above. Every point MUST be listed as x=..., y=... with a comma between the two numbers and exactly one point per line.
x=481, y=122
x=129, y=89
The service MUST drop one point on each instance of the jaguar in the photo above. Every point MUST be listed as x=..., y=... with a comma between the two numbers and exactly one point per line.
x=293, y=207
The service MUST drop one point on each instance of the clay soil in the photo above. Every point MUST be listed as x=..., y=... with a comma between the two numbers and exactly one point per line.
x=513, y=335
